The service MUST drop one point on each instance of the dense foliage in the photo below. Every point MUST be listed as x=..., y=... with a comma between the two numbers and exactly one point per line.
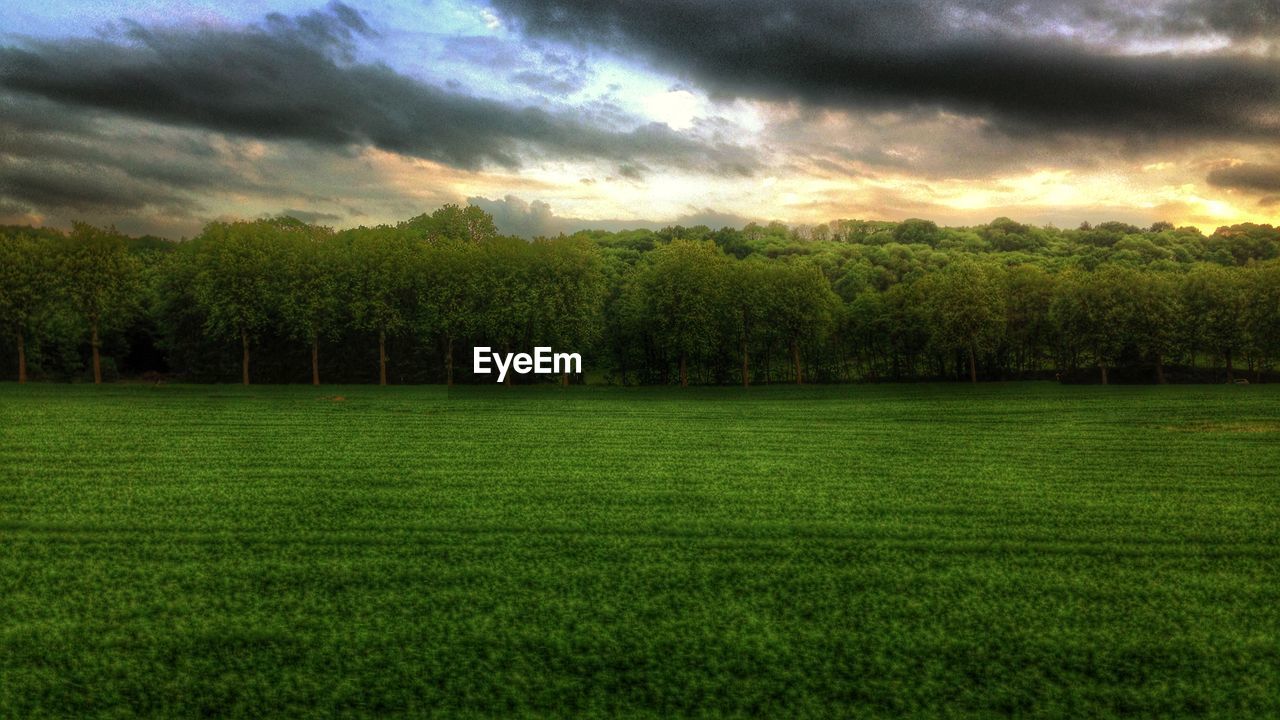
x=279, y=300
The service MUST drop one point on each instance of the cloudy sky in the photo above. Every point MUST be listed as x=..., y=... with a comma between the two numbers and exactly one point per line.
x=159, y=116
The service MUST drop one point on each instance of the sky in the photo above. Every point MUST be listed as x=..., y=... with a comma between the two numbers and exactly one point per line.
x=159, y=117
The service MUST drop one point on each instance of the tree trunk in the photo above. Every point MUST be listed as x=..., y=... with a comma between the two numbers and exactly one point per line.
x=22, y=359
x=684, y=372
x=746, y=366
x=795, y=357
x=97, y=360
x=973, y=368
x=244, y=359
x=315, y=361
x=448, y=361
x=382, y=357
x=1160, y=370
x=564, y=379
x=1103, y=368
x=1231, y=375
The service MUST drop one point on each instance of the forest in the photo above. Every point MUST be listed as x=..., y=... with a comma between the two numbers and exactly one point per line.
x=282, y=301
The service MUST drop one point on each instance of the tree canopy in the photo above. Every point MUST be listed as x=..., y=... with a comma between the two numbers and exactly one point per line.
x=850, y=300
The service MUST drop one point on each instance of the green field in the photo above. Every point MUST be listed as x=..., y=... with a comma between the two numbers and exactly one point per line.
x=1024, y=549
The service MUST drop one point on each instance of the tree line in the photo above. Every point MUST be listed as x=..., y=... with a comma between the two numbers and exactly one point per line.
x=280, y=300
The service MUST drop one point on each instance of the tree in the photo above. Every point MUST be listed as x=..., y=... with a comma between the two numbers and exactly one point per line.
x=569, y=290
x=1085, y=316
x=1028, y=292
x=1005, y=235
x=100, y=281
x=681, y=290
x=447, y=296
x=746, y=287
x=180, y=317
x=1214, y=299
x=310, y=285
x=866, y=325
x=1117, y=312
x=380, y=266
x=966, y=309
x=503, y=291
x=920, y=300
x=1244, y=242
x=908, y=326
x=236, y=283
x=914, y=231
x=1262, y=313
x=1137, y=311
x=451, y=223
x=800, y=305
x=26, y=288
x=1151, y=311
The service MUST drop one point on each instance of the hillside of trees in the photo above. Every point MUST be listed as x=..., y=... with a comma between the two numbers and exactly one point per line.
x=850, y=301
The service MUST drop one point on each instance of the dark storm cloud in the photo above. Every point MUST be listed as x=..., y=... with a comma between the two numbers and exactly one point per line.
x=81, y=189
x=313, y=217
x=12, y=212
x=1251, y=177
x=167, y=181
x=935, y=146
x=77, y=161
x=336, y=26
x=998, y=59
x=294, y=79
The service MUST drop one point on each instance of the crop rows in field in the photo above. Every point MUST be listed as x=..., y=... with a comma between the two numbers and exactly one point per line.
x=493, y=551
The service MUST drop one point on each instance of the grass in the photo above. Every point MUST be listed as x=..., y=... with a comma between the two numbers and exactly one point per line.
x=1023, y=549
